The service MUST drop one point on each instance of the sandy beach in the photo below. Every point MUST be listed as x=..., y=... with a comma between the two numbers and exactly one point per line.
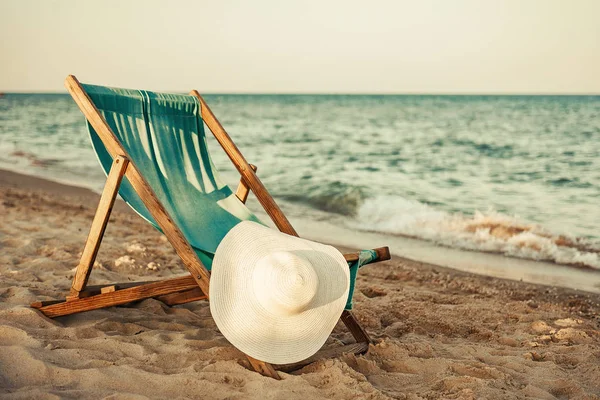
x=438, y=333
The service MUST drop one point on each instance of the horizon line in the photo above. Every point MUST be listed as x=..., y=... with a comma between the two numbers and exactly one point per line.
x=346, y=93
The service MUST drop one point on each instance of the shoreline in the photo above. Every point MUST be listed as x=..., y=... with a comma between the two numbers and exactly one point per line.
x=481, y=263
x=438, y=332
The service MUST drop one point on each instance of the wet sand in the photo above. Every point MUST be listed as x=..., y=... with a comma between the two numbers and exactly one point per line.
x=439, y=333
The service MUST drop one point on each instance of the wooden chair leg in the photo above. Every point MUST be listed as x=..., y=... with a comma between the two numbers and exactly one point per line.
x=357, y=331
x=361, y=335
x=92, y=244
x=338, y=351
x=263, y=368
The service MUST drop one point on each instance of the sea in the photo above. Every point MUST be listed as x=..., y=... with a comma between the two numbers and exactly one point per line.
x=513, y=176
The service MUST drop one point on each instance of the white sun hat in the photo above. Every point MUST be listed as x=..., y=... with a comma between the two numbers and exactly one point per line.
x=274, y=296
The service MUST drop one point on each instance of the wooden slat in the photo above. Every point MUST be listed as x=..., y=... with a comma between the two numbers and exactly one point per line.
x=243, y=190
x=188, y=296
x=92, y=244
x=117, y=297
x=354, y=348
x=143, y=189
x=253, y=182
x=92, y=290
x=383, y=253
x=97, y=289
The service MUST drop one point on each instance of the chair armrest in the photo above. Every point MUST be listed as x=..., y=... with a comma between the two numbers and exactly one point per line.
x=383, y=253
x=243, y=190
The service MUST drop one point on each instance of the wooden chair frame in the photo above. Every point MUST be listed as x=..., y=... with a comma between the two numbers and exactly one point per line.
x=176, y=290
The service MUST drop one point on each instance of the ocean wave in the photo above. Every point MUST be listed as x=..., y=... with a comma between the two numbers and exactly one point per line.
x=34, y=160
x=335, y=197
x=483, y=231
x=487, y=149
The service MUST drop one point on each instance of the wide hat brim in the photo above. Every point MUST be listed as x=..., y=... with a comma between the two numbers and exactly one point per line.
x=252, y=328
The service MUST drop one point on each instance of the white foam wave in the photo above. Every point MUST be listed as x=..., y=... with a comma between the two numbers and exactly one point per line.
x=490, y=231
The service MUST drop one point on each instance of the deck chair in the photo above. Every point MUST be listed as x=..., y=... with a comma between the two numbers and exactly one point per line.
x=153, y=149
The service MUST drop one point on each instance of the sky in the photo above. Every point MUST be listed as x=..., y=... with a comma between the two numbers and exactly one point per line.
x=260, y=46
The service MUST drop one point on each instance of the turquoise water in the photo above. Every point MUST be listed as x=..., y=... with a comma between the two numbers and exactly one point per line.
x=518, y=175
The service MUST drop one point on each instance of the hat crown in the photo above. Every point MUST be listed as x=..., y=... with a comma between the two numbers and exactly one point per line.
x=285, y=283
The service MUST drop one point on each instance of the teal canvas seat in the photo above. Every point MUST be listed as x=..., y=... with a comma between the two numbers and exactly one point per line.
x=164, y=136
